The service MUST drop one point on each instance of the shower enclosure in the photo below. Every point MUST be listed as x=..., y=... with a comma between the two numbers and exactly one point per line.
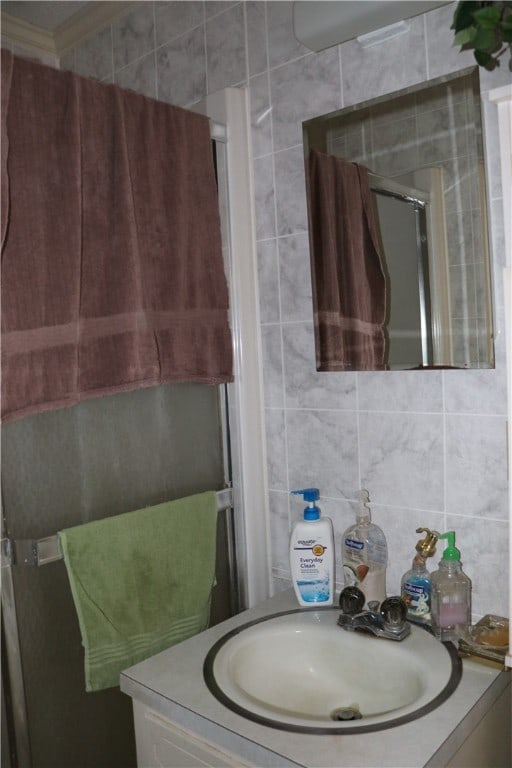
x=62, y=468
x=118, y=453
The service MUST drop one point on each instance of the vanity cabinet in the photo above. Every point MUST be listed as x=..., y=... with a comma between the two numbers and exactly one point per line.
x=180, y=724
x=163, y=744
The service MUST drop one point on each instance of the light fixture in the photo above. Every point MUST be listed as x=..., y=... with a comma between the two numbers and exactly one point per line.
x=319, y=25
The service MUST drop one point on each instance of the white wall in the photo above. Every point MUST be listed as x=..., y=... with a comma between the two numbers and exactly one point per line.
x=429, y=446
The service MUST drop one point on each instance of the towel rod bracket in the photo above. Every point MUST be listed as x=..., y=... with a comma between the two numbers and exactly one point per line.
x=48, y=550
x=19, y=552
x=6, y=553
x=30, y=551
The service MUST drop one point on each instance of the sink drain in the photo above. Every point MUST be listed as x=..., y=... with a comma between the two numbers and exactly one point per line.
x=346, y=713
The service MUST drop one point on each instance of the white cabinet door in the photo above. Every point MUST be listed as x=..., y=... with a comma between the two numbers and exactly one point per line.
x=162, y=744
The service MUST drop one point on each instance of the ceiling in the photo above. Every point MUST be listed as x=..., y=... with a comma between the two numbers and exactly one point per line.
x=54, y=27
x=46, y=15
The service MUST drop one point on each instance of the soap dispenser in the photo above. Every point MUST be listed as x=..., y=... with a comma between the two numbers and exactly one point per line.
x=451, y=594
x=416, y=585
x=312, y=554
x=364, y=552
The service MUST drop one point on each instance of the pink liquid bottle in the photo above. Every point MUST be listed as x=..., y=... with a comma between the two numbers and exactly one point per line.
x=451, y=595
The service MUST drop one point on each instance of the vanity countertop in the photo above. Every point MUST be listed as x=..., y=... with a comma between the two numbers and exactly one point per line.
x=171, y=684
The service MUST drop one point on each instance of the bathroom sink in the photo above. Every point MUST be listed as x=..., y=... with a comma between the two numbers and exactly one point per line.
x=299, y=671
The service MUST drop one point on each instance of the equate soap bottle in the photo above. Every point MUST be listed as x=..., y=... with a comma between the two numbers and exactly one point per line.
x=312, y=554
x=364, y=554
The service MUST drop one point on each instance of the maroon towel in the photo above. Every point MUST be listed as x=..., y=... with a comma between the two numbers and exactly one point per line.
x=112, y=268
x=349, y=279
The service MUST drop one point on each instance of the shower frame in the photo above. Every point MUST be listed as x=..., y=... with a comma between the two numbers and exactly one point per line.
x=230, y=108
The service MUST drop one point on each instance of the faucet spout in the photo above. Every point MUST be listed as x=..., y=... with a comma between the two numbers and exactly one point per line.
x=388, y=621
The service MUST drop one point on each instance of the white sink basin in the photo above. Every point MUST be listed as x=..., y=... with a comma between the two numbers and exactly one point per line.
x=299, y=671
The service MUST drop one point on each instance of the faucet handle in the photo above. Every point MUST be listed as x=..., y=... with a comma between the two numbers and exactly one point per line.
x=394, y=612
x=352, y=600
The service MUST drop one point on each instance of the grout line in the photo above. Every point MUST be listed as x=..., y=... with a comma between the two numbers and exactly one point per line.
x=155, y=60
x=342, y=90
x=381, y=412
x=358, y=427
x=246, y=52
x=427, y=63
x=205, y=47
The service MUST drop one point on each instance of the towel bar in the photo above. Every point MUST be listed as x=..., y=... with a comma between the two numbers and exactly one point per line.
x=47, y=550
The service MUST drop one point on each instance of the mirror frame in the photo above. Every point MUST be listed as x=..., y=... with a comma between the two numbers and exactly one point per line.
x=315, y=136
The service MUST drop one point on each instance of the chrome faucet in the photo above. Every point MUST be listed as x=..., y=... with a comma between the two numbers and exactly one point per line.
x=385, y=620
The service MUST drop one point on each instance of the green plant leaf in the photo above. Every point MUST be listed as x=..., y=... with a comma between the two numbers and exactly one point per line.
x=485, y=40
x=464, y=36
x=463, y=16
x=488, y=17
x=485, y=60
x=485, y=27
x=482, y=57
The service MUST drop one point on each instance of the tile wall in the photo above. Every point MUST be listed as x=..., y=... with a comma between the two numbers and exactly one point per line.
x=429, y=446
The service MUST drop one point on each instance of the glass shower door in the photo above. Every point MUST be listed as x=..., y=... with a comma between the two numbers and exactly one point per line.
x=103, y=457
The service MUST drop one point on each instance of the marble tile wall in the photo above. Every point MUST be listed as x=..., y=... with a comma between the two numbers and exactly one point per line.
x=429, y=446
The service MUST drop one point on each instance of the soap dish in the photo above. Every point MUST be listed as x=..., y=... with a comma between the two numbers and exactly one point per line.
x=488, y=638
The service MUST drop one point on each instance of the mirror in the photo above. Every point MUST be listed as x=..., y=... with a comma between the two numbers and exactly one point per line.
x=423, y=151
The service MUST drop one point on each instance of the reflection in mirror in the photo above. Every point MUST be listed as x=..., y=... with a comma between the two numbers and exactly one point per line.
x=398, y=231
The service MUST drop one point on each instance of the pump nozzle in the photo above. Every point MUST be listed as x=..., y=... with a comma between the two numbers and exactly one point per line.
x=310, y=495
x=451, y=552
x=363, y=496
x=426, y=547
x=364, y=511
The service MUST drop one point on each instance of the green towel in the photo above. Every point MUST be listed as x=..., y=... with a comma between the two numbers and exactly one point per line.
x=141, y=582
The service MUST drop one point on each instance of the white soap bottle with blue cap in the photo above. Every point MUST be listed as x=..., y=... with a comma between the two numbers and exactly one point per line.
x=312, y=554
